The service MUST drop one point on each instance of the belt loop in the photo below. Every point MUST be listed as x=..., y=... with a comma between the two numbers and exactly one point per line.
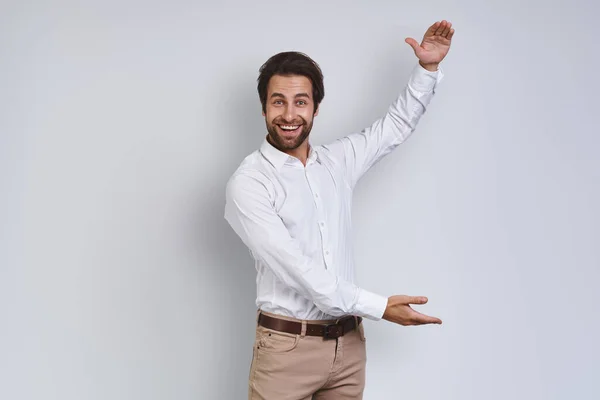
x=303, y=331
x=355, y=322
x=257, y=316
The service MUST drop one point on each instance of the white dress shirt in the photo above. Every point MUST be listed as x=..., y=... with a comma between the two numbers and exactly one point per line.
x=296, y=220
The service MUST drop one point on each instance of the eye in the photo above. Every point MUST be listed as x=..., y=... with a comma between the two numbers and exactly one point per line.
x=278, y=102
x=302, y=102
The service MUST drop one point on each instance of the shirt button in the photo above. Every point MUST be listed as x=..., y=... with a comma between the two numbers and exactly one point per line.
x=322, y=224
x=317, y=195
x=327, y=252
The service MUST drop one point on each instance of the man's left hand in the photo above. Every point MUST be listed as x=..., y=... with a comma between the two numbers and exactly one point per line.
x=435, y=45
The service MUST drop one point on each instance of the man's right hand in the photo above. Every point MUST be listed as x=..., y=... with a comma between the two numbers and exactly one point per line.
x=399, y=311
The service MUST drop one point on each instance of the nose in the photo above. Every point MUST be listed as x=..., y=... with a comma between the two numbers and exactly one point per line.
x=289, y=113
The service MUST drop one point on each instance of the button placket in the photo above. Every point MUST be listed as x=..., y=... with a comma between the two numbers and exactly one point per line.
x=321, y=223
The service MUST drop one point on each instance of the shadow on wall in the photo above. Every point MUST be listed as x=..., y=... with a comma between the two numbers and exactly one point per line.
x=228, y=266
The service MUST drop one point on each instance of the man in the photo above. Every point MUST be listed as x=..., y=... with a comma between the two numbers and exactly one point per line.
x=290, y=203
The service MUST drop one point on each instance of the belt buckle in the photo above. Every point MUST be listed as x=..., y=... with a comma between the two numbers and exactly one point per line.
x=329, y=334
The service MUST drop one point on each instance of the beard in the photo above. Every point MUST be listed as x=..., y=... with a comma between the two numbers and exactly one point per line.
x=283, y=143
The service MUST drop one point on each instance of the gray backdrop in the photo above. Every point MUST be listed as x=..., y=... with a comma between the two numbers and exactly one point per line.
x=122, y=120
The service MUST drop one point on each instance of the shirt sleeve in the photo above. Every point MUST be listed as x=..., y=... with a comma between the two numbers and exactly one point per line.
x=358, y=152
x=250, y=213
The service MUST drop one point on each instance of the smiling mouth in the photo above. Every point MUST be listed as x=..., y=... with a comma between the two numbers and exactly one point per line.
x=289, y=129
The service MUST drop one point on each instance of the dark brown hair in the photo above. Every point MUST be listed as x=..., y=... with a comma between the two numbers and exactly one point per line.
x=291, y=63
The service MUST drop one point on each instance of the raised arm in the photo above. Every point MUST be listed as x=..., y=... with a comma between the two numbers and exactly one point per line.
x=358, y=152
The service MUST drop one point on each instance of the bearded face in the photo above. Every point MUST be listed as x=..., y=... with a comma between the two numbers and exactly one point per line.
x=289, y=111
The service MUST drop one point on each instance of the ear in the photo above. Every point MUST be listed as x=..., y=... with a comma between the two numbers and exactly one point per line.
x=317, y=112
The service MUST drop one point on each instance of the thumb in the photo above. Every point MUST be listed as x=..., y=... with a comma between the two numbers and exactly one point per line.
x=417, y=300
x=413, y=43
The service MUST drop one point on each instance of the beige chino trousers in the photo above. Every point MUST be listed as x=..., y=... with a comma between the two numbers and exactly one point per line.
x=298, y=367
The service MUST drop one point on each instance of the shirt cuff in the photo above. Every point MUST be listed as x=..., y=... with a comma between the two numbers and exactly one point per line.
x=423, y=80
x=370, y=305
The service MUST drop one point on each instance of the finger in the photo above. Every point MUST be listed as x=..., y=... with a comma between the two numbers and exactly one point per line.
x=413, y=43
x=440, y=28
x=432, y=29
x=417, y=300
x=451, y=34
x=447, y=30
x=426, y=319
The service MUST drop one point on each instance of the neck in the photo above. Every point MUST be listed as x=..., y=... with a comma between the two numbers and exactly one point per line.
x=301, y=152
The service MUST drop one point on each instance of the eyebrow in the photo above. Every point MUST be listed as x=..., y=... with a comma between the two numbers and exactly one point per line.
x=296, y=96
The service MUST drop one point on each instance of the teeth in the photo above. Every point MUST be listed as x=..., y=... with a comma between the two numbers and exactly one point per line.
x=289, y=127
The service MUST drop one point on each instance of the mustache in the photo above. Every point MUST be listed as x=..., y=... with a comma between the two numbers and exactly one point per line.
x=281, y=121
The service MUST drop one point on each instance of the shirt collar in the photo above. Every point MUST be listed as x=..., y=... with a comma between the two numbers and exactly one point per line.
x=278, y=158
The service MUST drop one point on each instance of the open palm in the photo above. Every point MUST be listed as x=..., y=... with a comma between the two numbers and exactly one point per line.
x=435, y=44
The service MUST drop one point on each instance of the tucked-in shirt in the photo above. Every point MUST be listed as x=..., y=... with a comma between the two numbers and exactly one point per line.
x=296, y=219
